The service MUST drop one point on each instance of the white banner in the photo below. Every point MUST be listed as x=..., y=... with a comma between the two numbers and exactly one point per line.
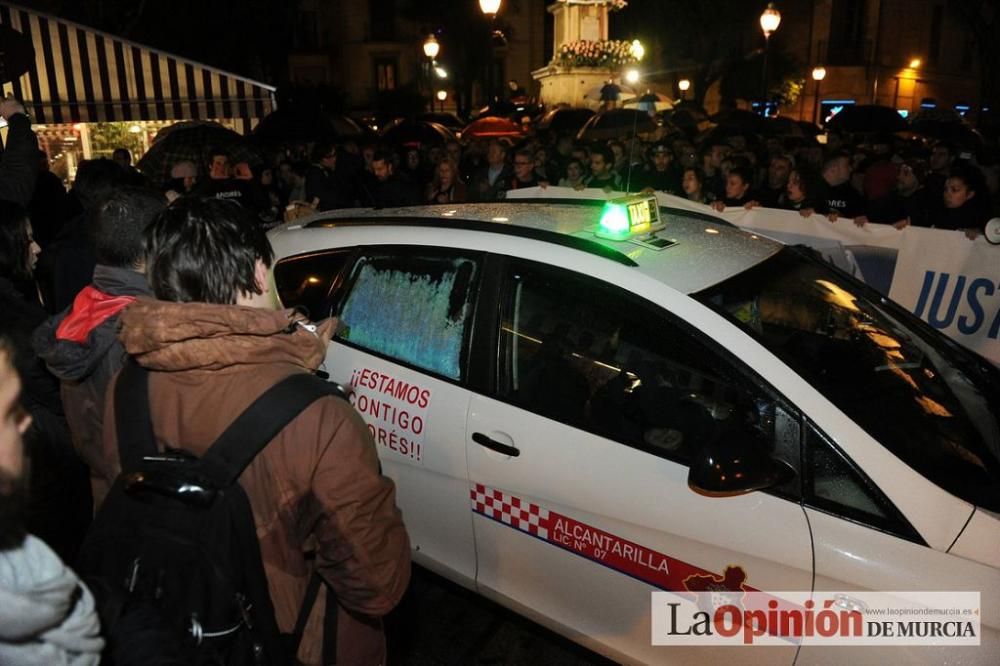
x=952, y=284
x=947, y=280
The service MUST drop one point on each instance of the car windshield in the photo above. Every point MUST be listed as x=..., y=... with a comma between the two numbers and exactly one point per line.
x=925, y=398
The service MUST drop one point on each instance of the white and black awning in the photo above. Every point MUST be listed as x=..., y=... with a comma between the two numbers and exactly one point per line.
x=83, y=75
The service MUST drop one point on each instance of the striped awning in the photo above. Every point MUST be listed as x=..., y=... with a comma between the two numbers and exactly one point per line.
x=84, y=75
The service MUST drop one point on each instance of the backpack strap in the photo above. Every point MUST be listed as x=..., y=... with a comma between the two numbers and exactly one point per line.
x=260, y=423
x=134, y=426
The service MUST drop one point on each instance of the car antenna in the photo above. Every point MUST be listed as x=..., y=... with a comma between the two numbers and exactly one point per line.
x=631, y=151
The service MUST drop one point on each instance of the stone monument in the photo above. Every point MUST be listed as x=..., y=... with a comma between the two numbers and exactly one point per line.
x=584, y=58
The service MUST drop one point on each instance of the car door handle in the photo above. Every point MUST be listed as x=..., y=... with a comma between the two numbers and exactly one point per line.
x=482, y=440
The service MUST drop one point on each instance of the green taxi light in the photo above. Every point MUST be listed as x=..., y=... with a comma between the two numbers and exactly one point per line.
x=614, y=221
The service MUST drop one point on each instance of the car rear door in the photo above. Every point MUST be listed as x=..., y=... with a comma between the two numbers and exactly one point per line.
x=401, y=350
x=578, y=467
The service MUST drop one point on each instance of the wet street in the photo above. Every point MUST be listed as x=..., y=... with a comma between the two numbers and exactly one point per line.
x=442, y=624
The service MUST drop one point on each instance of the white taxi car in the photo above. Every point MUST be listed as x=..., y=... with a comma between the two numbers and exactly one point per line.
x=580, y=407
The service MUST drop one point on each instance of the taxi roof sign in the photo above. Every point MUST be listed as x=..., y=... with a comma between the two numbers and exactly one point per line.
x=627, y=217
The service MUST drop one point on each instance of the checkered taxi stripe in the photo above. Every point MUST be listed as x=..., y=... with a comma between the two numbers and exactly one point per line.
x=510, y=510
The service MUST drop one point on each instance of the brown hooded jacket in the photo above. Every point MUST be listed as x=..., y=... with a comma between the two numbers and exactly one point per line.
x=315, y=490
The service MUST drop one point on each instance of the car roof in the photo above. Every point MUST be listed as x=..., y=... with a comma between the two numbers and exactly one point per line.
x=705, y=251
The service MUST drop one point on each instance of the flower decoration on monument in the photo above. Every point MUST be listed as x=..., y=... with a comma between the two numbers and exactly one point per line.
x=613, y=5
x=585, y=53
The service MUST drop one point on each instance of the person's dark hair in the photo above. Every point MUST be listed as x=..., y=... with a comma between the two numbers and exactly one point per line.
x=698, y=174
x=811, y=184
x=384, y=155
x=96, y=180
x=117, y=230
x=604, y=151
x=744, y=173
x=205, y=250
x=15, y=243
x=970, y=175
x=834, y=156
x=122, y=152
x=300, y=168
x=320, y=150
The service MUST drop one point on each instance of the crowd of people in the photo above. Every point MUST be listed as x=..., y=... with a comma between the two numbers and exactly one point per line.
x=113, y=276
x=875, y=178
x=172, y=274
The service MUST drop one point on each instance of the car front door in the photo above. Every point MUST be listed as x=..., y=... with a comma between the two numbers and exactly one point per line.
x=578, y=465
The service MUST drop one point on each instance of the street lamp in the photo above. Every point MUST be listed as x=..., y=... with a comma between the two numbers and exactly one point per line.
x=770, y=19
x=441, y=72
x=818, y=74
x=683, y=85
x=431, y=47
x=915, y=63
x=442, y=95
x=490, y=9
x=638, y=50
x=632, y=76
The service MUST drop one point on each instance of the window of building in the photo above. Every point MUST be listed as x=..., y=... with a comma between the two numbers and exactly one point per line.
x=847, y=43
x=385, y=73
x=412, y=307
x=307, y=31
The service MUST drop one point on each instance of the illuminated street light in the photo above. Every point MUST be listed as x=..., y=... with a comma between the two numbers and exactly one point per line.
x=441, y=72
x=770, y=19
x=818, y=74
x=915, y=63
x=632, y=76
x=638, y=50
x=490, y=7
x=431, y=47
x=442, y=95
x=684, y=85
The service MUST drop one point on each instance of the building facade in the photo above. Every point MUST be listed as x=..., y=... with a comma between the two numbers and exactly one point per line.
x=904, y=54
x=364, y=47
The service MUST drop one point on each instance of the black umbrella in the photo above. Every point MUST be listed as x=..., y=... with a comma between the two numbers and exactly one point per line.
x=740, y=121
x=449, y=120
x=568, y=121
x=867, y=118
x=418, y=134
x=616, y=124
x=783, y=126
x=16, y=53
x=954, y=132
x=193, y=142
x=294, y=125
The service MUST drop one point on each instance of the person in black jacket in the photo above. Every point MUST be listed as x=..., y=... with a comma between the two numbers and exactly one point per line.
x=59, y=496
x=964, y=208
x=842, y=200
x=19, y=164
x=389, y=189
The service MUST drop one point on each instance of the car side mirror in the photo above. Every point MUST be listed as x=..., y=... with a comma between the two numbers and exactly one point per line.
x=736, y=463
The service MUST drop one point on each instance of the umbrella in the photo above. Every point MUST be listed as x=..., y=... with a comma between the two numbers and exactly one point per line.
x=416, y=134
x=783, y=126
x=809, y=129
x=616, y=124
x=658, y=101
x=492, y=127
x=295, y=125
x=192, y=142
x=565, y=120
x=740, y=121
x=867, y=118
x=689, y=118
x=17, y=56
x=958, y=133
x=449, y=120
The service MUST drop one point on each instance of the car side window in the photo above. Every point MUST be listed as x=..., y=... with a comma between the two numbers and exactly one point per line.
x=588, y=354
x=413, y=306
x=305, y=281
x=833, y=484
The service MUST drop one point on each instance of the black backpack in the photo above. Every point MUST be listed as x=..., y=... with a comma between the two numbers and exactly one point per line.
x=172, y=556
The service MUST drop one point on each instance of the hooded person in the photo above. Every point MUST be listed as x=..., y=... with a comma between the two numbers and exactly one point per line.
x=47, y=616
x=213, y=343
x=80, y=345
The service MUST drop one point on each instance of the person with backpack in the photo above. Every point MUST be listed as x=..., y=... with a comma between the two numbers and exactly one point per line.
x=80, y=345
x=218, y=376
